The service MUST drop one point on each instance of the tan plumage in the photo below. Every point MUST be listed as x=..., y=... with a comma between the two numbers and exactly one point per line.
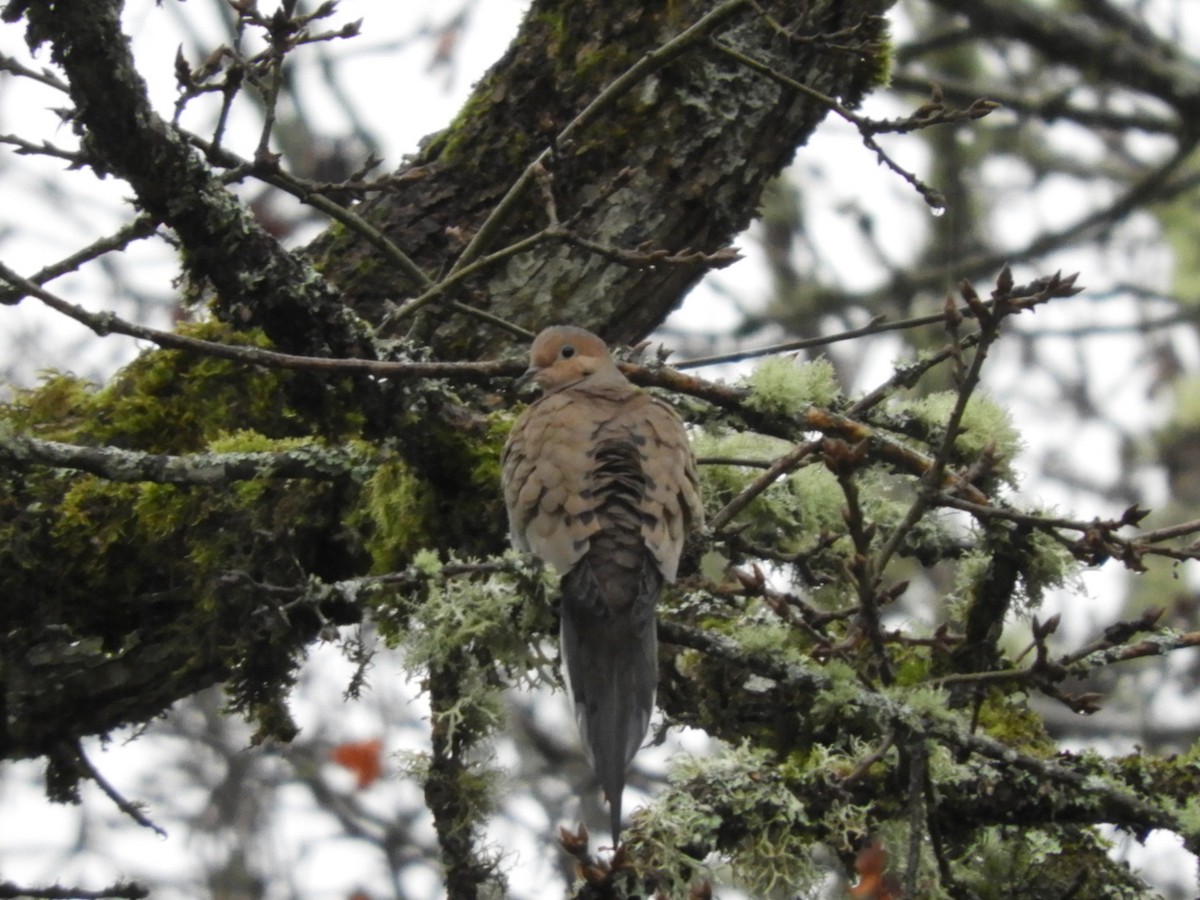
x=600, y=483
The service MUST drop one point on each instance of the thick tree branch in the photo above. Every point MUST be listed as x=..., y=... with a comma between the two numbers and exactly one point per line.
x=115, y=464
x=1092, y=790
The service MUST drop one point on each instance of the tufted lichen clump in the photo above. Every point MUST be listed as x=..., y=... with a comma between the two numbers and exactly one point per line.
x=985, y=426
x=487, y=617
x=781, y=385
x=774, y=838
x=793, y=511
x=1042, y=564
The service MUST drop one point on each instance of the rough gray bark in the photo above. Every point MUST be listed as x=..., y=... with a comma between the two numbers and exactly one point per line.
x=678, y=162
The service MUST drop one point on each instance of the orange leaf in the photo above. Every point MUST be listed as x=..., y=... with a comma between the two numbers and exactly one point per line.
x=873, y=882
x=363, y=758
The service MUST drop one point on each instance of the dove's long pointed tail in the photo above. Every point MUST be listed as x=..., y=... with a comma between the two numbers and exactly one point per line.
x=610, y=655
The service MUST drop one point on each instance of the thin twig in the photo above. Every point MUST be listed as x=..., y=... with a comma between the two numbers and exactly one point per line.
x=107, y=323
x=269, y=171
x=130, y=809
x=864, y=765
x=844, y=461
x=272, y=174
x=435, y=290
x=45, y=76
x=1007, y=300
x=878, y=325
x=1183, y=529
x=141, y=227
x=270, y=100
x=866, y=128
x=777, y=469
x=77, y=158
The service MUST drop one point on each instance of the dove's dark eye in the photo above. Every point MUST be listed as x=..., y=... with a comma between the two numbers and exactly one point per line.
x=567, y=351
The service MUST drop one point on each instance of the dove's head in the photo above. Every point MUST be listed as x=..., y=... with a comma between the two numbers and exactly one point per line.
x=563, y=355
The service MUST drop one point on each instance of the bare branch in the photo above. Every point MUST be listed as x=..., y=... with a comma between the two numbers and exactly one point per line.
x=133, y=810
x=108, y=323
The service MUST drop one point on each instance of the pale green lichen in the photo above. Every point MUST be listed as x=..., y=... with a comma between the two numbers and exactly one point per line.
x=985, y=424
x=477, y=711
x=843, y=692
x=780, y=385
x=394, y=512
x=817, y=499
x=413, y=764
x=926, y=703
x=791, y=513
x=482, y=618
x=1045, y=565
x=881, y=500
x=969, y=574
x=1188, y=814
x=773, y=850
x=1005, y=862
x=743, y=445
x=427, y=562
x=841, y=758
x=1049, y=565
x=769, y=637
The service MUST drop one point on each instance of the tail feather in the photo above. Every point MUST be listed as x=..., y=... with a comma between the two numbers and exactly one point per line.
x=610, y=659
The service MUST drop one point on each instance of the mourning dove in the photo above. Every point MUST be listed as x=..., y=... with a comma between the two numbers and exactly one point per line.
x=600, y=483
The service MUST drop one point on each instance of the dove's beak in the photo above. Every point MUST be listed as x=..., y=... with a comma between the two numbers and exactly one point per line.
x=525, y=379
